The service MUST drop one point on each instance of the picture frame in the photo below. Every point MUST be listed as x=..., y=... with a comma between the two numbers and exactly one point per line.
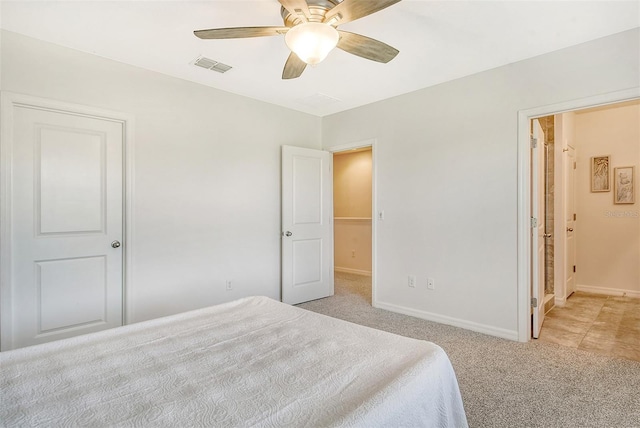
x=624, y=191
x=600, y=173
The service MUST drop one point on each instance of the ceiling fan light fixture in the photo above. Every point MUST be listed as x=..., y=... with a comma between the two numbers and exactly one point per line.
x=312, y=41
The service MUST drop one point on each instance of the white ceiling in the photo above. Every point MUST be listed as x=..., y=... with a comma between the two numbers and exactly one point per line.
x=438, y=41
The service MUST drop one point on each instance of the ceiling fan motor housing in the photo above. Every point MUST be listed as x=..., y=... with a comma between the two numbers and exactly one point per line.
x=317, y=9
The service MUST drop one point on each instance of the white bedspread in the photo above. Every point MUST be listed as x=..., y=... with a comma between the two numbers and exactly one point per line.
x=252, y=362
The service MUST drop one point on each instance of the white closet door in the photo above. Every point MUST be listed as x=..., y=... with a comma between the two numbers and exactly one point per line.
x=66, y=226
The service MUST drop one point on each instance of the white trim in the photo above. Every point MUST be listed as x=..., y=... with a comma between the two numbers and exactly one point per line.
x=374, y=205
x=455, y=322
x=351, y=146
x=560, y=301
x=353, y=219
x=524, y=191
x=353, y=271
x=6, y=135
x=608, y=291
x=129, y=224
x=7, y=102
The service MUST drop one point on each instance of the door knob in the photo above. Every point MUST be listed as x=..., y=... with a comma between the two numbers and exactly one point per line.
x=569, y=229
x=287, y=233
x=115, y=244
x=547, y=235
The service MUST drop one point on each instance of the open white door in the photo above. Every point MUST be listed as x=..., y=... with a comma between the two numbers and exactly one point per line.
x=307, y=227
x=569, y=215
x=538, y=229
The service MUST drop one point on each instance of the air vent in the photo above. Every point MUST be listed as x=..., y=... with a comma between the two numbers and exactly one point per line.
x=211, y=64
x=318, y=100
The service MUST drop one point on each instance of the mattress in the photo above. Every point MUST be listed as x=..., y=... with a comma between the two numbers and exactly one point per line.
x=253, y=362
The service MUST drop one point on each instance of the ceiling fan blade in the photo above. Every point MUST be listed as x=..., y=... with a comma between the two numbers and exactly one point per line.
x=366, y=47
x=298, y=8
x=240, y=32
x=350, y=10
x=293, y=67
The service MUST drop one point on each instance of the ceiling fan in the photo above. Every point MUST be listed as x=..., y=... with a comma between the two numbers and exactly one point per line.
x=310, y=31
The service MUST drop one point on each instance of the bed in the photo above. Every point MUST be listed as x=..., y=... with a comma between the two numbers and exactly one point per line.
x=254, y=362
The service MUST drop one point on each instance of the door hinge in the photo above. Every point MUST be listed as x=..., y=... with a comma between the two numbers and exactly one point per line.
x=574, y=268
x=534, y=222
x=534, y=302
x=575, y=165
x=534, y=143
x=575, y=217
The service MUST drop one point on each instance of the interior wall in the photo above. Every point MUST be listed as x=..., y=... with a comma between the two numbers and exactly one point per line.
x=608, y=235
x=352, y=211
x=352, y=184
x=447, y=168
x=206, y=203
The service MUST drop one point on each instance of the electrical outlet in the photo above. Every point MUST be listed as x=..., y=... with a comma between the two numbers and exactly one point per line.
x=381, y=215
x=353, y=253
x=412, y=281
x=431, y=284
x=229, y=285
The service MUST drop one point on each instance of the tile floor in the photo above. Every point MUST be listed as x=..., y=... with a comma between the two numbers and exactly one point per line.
x=606, y=325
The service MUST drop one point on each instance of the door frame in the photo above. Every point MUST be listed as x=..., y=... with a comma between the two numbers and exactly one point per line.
x=560, y=269
x=374, y=204
x=9, y=100
x=538, y=241
x=524, y=192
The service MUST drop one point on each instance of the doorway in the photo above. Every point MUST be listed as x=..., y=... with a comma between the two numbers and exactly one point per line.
x=354, y=221
x=600, y=295
x=565, y=158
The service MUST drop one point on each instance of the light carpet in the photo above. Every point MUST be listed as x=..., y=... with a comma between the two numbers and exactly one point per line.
x=506, y=383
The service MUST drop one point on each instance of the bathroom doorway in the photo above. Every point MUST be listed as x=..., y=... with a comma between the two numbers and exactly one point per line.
x=592, y=235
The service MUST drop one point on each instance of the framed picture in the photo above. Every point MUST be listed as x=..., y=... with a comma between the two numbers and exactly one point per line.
x=624, y=185
x=600, y=175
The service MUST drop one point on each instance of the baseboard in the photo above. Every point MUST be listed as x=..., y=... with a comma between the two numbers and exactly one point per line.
x=561, y=301
x=455, y=322
x=549, y=302
x=608, y=291
x=354, y=271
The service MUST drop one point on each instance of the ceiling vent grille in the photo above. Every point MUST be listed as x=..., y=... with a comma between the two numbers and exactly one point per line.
x=211, y=64
x=318, y=100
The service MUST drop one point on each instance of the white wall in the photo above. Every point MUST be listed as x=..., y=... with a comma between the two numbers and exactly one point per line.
x=608, y=235
x=447, y=178
x=207, y=173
